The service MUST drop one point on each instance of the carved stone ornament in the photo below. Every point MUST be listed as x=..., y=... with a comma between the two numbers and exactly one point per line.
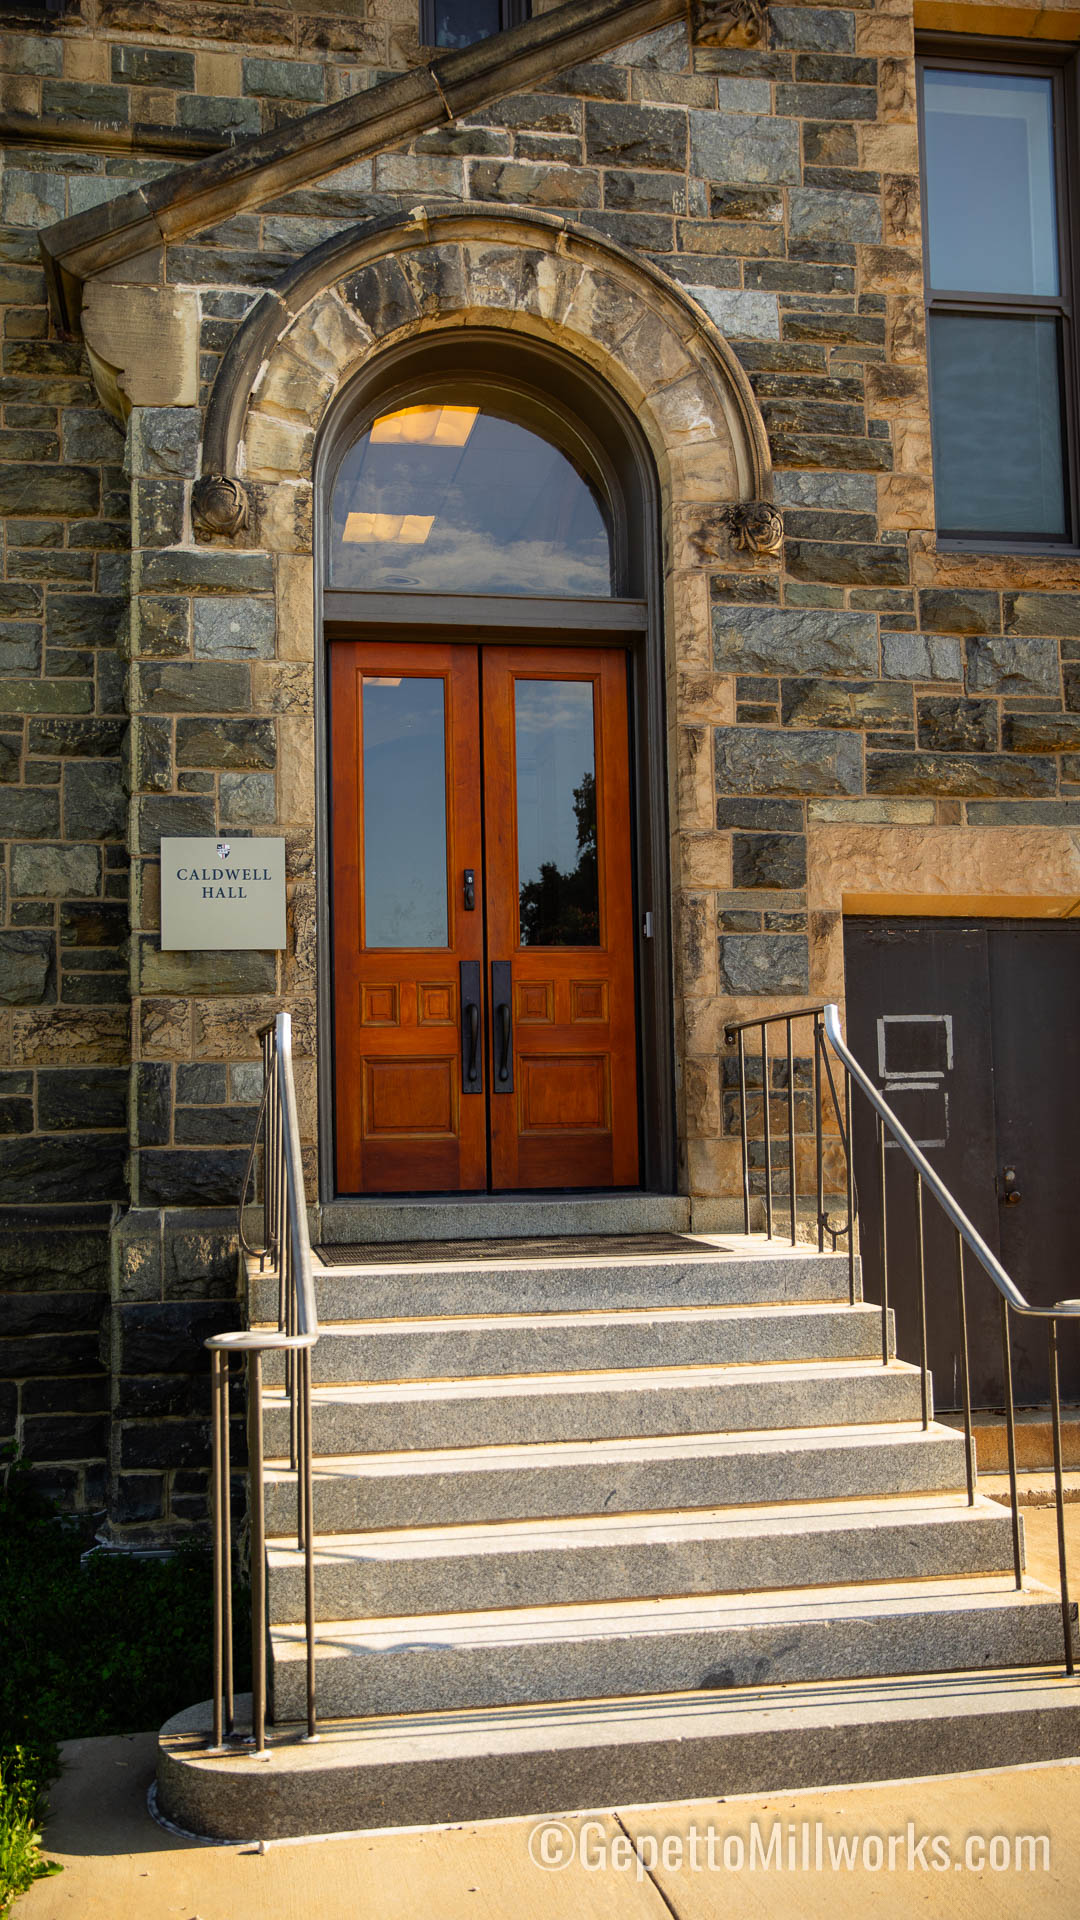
x=729, y=23
x=218, y=505
x=756, y=527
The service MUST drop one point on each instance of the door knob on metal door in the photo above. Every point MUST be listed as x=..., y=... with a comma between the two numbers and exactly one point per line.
x=1010, y=1197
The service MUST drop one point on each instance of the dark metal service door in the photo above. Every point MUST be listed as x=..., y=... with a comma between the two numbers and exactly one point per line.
x=972, y=1032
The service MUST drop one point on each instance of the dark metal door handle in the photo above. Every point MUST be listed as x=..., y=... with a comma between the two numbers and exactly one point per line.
x=501, y=988
x=469, y=886
x=472, y=1072
x=1010, y=1197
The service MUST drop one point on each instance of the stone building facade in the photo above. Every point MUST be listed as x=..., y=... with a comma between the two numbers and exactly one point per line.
x=214, y=219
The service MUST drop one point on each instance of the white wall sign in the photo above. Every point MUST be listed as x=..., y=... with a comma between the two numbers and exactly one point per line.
x=223, y=894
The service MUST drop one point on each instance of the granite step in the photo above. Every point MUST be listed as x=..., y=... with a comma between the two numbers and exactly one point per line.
x=606, y=1650
x=540, y=1563
x=355, y=1492
x=630, y=1339
x=539, y=1408
x=377, y=1219
x=431, y=1768
x=744, y=1273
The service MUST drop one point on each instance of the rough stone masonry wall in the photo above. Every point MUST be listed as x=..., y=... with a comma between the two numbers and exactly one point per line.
x=64, y=1047
x=116, y=92
x=870, y=703
x=862, y=705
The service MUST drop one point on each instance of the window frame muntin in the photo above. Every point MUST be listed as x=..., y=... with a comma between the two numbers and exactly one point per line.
x=512, y=13
x=1059, y=63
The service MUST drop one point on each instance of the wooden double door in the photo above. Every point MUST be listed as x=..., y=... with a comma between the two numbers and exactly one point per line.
x=484, y=979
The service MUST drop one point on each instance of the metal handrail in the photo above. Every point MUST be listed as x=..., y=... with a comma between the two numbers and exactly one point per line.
x=826, y=1027
x=1005, y=1285
x=287, y=1246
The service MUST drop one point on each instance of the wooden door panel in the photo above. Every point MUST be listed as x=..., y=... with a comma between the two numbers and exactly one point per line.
x=565, y=1115
x=404, y=1121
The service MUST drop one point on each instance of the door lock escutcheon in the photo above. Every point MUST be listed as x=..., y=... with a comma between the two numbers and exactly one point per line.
x=469, y=889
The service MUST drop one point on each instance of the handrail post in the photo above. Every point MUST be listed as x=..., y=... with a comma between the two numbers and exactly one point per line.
x=226, y=1547
x=309, y=1538
x=819, y=1144
x=744, y=1134
x=850, y=1159
x=1059, y=1493
x=884, y=1244
x=258, y=1551
x=767, y=1128
x=220, y=1519
x=920, y=1245
x=1010, y=1429
x=791, y=1136
x=965, y=1369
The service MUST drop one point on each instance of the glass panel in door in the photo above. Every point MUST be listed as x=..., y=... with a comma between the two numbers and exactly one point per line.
x=555, y=759
x=408, y=945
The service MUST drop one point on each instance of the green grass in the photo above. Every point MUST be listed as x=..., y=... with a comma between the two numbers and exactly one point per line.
x=21, y=1789
x=113, y=1646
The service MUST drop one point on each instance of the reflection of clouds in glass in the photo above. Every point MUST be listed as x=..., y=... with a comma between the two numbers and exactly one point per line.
x=566, y=711
x=462, y=561
x=509, y=512
x=553, y=723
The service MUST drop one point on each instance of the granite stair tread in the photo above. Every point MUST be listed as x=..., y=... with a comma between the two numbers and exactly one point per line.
x=601, y=1619
x=503, y=1386
x=415, y=1570
x=634, y=1447
x=739, y=1271
x=407, y=1769
x=359, y=1351
x=357, y=1492
x=623, y=1647
x=786, y=1518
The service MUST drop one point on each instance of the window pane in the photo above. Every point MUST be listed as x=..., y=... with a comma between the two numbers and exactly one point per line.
x=459, y=22
x=558, y=886
x=404, y=813
x=451, y=498
x=995, y=396
x=990, y=182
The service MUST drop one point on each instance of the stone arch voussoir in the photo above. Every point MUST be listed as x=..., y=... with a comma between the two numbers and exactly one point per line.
x=531, y=275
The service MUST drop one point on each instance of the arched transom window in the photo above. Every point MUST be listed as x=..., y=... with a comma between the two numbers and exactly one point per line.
x=457, y=492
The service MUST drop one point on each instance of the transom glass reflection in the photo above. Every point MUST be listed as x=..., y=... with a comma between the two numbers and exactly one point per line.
x=454, y=498
x=558, y=880
x=404, y=789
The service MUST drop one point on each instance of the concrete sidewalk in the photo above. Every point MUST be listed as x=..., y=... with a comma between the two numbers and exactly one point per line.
x=746, y=1859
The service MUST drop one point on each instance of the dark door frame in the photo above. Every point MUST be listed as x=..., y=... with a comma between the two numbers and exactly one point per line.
x=548, y=380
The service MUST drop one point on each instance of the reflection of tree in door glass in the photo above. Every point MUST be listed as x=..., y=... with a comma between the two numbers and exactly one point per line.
x=563, y=909
x=555, y=755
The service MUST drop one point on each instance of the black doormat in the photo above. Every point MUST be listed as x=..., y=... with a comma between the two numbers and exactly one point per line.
x=439, y=1253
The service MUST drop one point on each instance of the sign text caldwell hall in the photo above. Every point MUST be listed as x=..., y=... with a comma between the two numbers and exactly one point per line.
x=222, y=894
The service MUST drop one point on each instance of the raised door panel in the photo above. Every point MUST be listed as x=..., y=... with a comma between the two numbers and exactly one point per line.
x=560, y=918
x=406, y=826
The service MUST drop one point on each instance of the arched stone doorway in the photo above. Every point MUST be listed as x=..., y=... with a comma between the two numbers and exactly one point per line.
x=657, y=393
